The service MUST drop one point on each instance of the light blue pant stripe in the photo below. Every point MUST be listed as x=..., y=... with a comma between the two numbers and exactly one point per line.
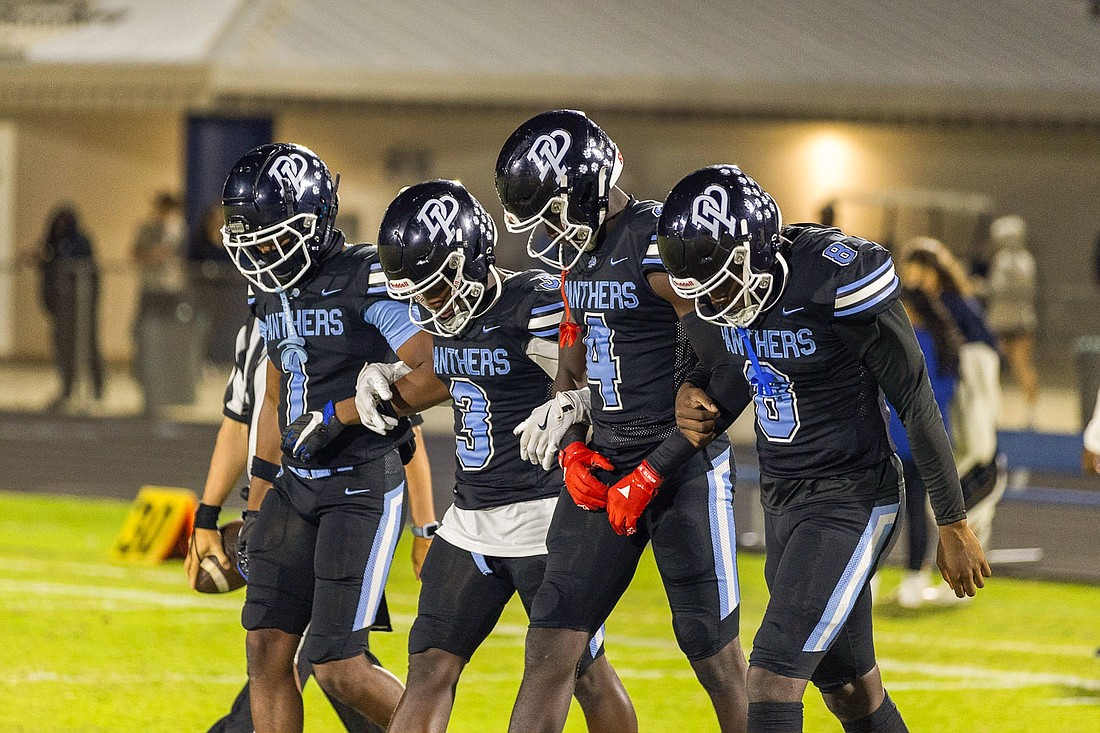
x=481, y=563
x=855, y=575
x=381, y=555
x=596, y=642
x=723, y=533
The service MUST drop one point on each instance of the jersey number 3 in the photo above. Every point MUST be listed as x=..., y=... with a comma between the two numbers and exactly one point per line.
x=474, y=438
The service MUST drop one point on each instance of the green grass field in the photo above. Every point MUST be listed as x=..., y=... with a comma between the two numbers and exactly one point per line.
x=87, y=645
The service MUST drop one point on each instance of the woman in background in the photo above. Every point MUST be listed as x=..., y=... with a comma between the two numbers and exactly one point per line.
x=939, y=340
x=928, y=265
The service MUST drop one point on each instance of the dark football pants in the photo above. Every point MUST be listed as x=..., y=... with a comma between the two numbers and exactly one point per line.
x=690, y=522
x=463, y=593
x=820, y=558
x=320, y=554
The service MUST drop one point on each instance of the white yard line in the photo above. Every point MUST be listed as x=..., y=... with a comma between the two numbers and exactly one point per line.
x=979, y=675
x=129, y=680
x=101, y=594
x=1022, y=647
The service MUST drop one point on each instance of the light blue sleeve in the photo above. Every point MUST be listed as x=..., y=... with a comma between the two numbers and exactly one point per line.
x=392, y=321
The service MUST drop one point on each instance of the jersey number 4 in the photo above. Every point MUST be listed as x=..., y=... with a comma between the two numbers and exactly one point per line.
x=474, y=437
x=603, y=365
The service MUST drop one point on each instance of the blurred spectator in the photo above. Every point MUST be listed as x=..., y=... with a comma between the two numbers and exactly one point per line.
x=158, y=250
x=1090, y=454
x=929, y=266
x=1096, y=261
x=827, y=217
x=215, y=289
x=1011, y=302
x=158, y=254
x=940, y=341
x=70, y=294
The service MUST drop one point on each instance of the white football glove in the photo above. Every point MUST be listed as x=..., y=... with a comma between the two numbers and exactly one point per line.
x=540, y=433
x=372, y=387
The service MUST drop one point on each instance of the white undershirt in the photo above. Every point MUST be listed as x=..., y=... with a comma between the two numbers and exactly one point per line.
x=512, y=530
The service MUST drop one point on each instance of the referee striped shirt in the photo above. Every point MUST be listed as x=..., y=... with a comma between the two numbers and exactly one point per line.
x=245, y=390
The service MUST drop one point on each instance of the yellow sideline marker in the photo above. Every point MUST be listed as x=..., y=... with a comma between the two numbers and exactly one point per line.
x=158, y=526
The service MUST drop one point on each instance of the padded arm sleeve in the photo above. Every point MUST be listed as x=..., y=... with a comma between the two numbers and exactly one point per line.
x=887, y=346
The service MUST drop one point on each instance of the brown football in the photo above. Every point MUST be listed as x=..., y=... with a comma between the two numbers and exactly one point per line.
x=212, y=578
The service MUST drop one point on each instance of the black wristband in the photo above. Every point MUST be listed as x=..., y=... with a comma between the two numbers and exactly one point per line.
x=265, y=470
x=206, y=516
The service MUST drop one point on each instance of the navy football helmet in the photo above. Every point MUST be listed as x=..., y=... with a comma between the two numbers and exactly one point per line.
x=557, y=170
x=280, y=205
x=719, y=235
x=436, y=247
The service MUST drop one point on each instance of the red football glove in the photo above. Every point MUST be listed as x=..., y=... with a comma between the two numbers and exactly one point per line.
x=628, y=499
x=577, y=461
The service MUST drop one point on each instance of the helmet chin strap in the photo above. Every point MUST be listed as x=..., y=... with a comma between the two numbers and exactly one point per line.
x=782, y=272
x=497, y=288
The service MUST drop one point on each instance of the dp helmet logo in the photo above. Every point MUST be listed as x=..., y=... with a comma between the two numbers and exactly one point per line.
x=711, y=211
x=290, y=170
x=548, y=151
x=438, y=215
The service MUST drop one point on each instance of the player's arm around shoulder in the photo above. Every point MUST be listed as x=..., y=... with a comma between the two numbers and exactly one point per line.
x=420, y=388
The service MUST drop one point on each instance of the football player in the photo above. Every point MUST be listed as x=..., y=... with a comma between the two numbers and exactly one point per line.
x=556, y=177
x=320, y=549
x=810, y=330
x=494, y=348
x=232, y=454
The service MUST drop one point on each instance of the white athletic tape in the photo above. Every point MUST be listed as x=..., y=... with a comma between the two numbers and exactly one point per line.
x=214, y=569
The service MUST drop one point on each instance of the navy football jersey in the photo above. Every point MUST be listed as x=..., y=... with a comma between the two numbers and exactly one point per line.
x=819, y=411
x=342, y=318
x=635, y=351
x=495, y=385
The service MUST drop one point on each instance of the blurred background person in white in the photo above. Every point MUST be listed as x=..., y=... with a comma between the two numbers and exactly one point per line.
x=1090, y=454
x=1011, y=304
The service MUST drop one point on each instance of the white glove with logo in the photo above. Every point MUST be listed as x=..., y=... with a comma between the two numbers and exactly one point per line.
x=372, y=387
x=540, y=433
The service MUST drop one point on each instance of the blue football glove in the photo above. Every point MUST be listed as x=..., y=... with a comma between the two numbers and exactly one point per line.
x=312, y=433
